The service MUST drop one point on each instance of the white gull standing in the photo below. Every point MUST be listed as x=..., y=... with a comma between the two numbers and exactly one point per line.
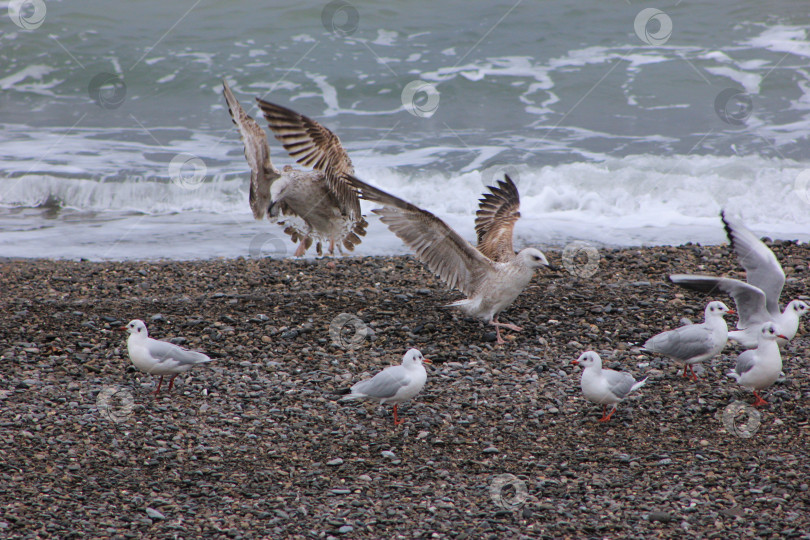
x=395, y=384
x=317, y=204
x=694, y=343
x=757, y=300
x=759, y=368
x=492, y=275
x=159, y=357
x=604, y=386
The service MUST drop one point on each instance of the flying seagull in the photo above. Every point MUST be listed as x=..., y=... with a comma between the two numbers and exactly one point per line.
x=159, y=357
x=757, y=300
x=492, y=275
x=395, y=384
x=312, y=205
x=604, y=386
x=694, y=343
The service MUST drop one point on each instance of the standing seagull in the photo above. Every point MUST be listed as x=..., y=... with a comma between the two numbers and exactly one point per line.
x=759, y=368
x=491, y=276
x=604, y=386
x=757, y=300
x=321, y=205
x=159, y=357
x=694, y=343
x=395, y=384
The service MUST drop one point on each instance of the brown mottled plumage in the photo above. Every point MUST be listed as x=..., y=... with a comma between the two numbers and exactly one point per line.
x=498, y=211
x=322, y=205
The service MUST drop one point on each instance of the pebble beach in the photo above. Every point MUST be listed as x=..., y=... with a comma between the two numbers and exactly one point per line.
x=499, y=444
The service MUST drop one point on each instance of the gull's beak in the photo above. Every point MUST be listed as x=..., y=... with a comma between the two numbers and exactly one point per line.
x=732, y=312
x=783, y=337
x=552, y=267
x=575, y=362
x=122, y=327
x=426, y=360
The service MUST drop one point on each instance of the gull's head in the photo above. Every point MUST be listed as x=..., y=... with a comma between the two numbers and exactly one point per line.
x=588, y=359
x=799, y=307
x=414, y=357
x=769, y=332
x=136, y=327
x=717, y=309
x=533, y=258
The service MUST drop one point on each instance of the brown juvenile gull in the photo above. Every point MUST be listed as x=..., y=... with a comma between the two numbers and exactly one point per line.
x=491, y=276
x=318, y=204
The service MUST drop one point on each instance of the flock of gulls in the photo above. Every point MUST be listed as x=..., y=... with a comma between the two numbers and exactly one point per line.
x=322, y=206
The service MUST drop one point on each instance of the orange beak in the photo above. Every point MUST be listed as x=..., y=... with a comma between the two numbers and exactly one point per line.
x=427, y=361
x=732, y=312
x=122, y=328
x=575, y=362
x=783, y=337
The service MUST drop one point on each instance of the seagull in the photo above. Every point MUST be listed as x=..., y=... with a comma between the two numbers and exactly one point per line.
x=759, y=368
x=319, y=205
x=757, y=300
x=604, y=386
x=395, y=384
x=492, y=275
x=694, y=343
x=159, y=357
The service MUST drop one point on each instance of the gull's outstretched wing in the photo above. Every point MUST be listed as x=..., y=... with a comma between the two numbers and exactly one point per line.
x=750, y=300
x=257, y=154
x=498, y=211
x=311, y=144
x=444, y=252
x=762, y=270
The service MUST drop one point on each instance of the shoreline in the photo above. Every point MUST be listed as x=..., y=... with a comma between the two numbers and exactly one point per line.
x=255, y=444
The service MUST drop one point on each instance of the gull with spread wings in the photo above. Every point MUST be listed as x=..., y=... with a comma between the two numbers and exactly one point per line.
x=491, y=275
x=312, y=205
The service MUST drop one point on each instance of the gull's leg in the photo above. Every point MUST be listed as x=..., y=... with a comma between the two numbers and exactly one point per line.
x=613, y=410
x=684, y=370
x=331, y=246
x=759, y=400
x=397, y=420
x=159, y=383
x=604, y=414
x=694, y=375
x=171, y=381
x=301, y=248
x=507, y=325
